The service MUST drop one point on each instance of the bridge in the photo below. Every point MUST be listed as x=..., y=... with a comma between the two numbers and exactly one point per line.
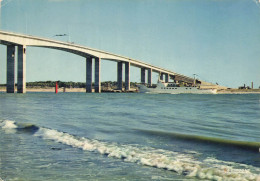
x=11, y=40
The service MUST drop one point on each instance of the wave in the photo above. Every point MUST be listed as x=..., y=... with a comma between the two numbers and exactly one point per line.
x=21, y=127
x=184, y=164
x=254, y=146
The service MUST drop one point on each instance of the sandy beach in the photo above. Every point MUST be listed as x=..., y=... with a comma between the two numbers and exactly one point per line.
x=239, y=91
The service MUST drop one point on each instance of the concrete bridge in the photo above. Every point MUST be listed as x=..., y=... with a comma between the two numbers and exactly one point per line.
x=11, y=40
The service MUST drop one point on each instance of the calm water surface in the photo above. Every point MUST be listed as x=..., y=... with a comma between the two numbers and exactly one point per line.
x=78, y=136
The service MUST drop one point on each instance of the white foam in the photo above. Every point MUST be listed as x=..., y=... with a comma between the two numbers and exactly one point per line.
x=185, y=164
x=8, y=124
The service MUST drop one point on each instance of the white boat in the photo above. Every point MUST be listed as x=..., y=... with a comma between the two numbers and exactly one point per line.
x=173, y=88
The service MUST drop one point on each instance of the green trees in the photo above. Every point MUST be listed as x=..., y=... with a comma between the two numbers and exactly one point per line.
x=70, y=84
x=53, y=84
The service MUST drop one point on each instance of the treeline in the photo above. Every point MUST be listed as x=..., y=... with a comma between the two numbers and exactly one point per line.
x=71, y=84
x=53, y=84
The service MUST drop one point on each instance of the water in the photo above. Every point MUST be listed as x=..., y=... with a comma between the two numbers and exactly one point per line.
x=78, y=136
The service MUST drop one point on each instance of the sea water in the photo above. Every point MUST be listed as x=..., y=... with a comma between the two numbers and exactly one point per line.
x=79, y=136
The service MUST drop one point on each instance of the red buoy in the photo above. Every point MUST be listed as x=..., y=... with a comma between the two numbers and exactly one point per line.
x=56, y=88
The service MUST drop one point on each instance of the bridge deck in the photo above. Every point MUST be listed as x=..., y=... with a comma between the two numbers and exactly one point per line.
x=8, y=38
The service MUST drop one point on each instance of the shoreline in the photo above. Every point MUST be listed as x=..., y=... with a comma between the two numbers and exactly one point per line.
x=239, y=91
x=60, y=90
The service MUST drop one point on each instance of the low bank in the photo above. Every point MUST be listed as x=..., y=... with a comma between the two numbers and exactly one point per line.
x=239, y=91
x=62, y=89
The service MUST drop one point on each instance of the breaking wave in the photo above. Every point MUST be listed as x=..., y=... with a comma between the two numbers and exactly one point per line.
x=184, y=164
x=9, y=125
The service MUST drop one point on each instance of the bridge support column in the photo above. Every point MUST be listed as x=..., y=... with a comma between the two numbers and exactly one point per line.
x=166, y=78
x=119, y=75
x=150, y=77
x=21, y=78
x=143, y=75
x=89, y=74
x=127, y=76
x=10, y=77
x=161, y=76
x=172, y=77
x=97, y=75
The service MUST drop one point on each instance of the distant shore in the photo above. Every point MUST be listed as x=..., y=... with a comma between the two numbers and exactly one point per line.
x=52, y=89
x=239, y=91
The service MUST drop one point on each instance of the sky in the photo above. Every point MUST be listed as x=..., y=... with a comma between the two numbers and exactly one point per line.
x=218, y=40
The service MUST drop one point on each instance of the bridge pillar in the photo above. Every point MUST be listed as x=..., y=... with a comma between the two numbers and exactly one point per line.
x=166, y=78
x=127, y=76
x=89, y=74
x=97, y=75
x=119, y=75
x=172, y=77
x=161, y=76
x=143, y=75
x=10, y=77
x=150, y=77
x=21, y=78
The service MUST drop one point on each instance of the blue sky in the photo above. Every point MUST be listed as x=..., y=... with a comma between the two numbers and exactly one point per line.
x=219, y=40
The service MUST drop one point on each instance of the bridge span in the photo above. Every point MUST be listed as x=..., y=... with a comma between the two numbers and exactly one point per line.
x=11, y=40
